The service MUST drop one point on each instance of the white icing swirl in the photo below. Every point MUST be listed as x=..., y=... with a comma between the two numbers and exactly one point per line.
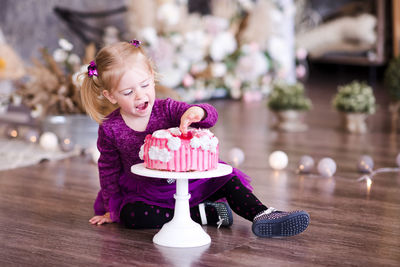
x=162, y=154
x=213, y=144
x=208, y=132
x=174, y=143
x=195, y=142
x=205, y=142
x=162, y=134
x=141, y=152
x=175, y=131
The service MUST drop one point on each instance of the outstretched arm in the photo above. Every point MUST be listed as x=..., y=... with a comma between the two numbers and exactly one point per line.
x=200, y=115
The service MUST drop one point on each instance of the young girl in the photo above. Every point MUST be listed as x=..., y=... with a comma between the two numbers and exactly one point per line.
x=119, y=93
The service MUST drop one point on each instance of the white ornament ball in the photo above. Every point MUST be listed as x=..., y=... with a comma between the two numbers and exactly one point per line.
x=278, y=160
x=49, y=141
x=236, y=156
x=327, y=167
x=95, y=154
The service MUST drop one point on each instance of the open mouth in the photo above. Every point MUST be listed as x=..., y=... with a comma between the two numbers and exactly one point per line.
x=142, y=106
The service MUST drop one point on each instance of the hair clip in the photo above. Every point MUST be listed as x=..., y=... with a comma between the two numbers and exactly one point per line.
x=135, y=42
x=92, y=69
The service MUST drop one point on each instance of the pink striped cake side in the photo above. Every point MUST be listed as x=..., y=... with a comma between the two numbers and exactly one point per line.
x=184, y=159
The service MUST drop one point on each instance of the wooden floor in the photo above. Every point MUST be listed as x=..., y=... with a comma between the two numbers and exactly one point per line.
x=44, y=209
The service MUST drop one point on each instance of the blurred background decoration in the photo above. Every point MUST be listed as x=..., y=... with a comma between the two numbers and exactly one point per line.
x=11, y=69
x=52, y=87
x=224, y=53
x=392, y=84
x=202, y=50
x=343, y=31
x=355, y=101
x=289, y=103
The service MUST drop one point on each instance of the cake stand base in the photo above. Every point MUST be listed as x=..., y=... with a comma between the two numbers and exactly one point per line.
x=173, y=234
x=182, y=231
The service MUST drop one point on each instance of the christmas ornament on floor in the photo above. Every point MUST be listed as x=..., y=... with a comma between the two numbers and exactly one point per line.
x=326, y=167
x=48, y=141
x=306, y=164
x=236, y=156
x=67, y=145
x=94, y=153
x=32, y=136
x=366, y=164
x=278, y=160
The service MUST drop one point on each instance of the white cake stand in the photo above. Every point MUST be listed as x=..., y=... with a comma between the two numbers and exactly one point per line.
x=182, y=231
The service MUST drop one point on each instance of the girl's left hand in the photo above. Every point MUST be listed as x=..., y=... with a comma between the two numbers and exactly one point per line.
x=98, y=220
x=193, y=114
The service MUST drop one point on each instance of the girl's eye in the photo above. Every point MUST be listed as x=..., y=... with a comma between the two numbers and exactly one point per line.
x=128, y=92
x=145, y=85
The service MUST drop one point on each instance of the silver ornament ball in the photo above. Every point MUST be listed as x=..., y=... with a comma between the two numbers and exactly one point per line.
x=306, y=164
x=327, y=167
x=365, y=164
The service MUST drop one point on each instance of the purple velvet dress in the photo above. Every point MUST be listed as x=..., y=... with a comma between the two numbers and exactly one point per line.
x=119, y=147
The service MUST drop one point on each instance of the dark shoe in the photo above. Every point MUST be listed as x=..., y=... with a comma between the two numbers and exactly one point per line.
x=224, y=213
x=274, y=223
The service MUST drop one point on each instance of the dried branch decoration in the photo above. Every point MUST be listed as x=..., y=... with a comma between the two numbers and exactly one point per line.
x=50, y=89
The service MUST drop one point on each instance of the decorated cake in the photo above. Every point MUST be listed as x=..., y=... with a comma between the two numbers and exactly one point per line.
x=170, y=150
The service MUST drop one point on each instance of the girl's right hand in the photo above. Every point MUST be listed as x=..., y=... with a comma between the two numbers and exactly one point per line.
x=101, y=219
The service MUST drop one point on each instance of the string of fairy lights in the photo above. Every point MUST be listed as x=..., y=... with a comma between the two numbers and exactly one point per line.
x=326, y=167
x=278, y=160
x=49, y=141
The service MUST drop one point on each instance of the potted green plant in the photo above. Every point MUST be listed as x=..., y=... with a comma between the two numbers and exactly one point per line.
x=355, y=101
x=392, y=84
x=288, y=102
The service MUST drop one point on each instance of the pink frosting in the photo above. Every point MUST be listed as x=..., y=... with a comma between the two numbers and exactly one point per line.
x=186, y=157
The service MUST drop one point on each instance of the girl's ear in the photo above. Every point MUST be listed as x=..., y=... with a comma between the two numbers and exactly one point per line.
x=109, y=96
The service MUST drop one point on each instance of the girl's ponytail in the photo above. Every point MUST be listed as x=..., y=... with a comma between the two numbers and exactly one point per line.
x=96, y=105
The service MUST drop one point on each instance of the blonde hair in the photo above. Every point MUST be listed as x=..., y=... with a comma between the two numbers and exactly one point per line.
x=111, y=61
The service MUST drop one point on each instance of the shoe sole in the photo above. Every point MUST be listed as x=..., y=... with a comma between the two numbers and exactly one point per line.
x=229, y=212
x=230, y=215
x=289, y=225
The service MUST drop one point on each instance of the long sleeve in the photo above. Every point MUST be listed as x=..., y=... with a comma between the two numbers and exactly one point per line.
x=176, y=109
x=109, y=165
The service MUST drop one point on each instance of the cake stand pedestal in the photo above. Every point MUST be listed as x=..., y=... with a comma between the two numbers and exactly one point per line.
x=182, y=231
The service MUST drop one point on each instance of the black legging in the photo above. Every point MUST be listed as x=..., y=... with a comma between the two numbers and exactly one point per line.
x=240, y=199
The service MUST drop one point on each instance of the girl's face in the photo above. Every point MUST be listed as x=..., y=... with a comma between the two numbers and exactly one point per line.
x=135, y=93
